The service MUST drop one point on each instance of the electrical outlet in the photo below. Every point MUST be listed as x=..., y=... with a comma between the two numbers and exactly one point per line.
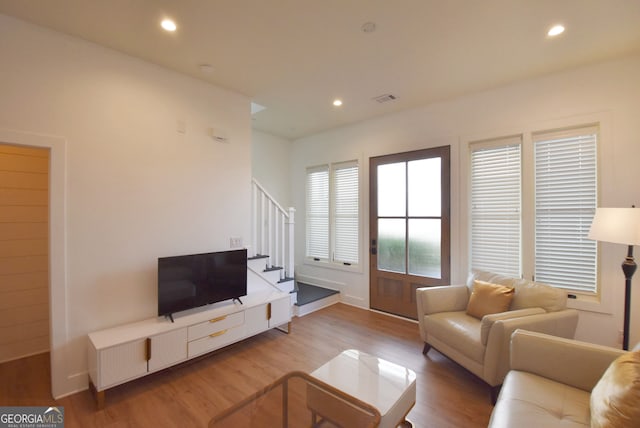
x=235, y=242
x=620, y=337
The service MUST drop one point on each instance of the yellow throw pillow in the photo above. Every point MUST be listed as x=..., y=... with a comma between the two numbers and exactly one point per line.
x=487, y=298
x=615, y=400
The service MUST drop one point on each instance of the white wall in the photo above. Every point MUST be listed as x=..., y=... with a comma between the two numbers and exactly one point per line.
x=135, y=188
x=609, y=90
x=271, y=159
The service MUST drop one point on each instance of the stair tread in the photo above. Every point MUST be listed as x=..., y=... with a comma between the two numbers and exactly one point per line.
x=310, y=293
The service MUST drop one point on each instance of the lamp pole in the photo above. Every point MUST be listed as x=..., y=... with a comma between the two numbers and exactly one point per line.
x=628, y=268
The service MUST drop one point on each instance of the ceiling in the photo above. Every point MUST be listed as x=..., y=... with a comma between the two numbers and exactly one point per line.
x=295, y=56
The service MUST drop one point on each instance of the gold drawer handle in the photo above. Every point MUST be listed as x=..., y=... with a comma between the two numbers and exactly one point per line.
x=218, y=319
x=219, y=333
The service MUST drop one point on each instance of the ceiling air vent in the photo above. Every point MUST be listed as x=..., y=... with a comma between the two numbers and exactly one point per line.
x=385, y=98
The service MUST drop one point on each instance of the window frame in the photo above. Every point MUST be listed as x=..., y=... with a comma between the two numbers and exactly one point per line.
x=331, y=261
x=603, y=300
x=551, y=138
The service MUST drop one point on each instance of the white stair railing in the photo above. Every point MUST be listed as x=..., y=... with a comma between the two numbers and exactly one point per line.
x=272, y=230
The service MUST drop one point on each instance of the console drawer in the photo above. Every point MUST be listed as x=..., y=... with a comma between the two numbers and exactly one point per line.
x=215, y=325
x=214, y=341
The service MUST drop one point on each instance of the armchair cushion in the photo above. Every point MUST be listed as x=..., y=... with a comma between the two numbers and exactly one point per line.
x=528, y=294
x=487, y=298
x=615, y=398
x=537, y=295
x=459, y=330
x=527, y=400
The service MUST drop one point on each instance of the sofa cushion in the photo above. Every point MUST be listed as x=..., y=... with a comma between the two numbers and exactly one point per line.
x=537, y=295
x=530, y=401
x=529, y=294
x=491, y=277
x=487, y=298
x=616, y=397
x=459, y=330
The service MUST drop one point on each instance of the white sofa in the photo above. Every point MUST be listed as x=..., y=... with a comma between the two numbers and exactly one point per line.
x=550, y=382
x=482, y=345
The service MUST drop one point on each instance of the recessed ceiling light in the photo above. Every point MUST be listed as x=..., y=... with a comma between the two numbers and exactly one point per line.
x=556, y=30
x=206, y=68
x=368, y=27
x=168, y=24
x=337, y=102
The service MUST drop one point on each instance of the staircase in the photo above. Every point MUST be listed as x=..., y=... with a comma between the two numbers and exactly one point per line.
x=272, y=253
x=260, y=264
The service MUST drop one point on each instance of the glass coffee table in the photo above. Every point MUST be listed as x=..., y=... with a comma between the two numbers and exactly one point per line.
x=354, y=389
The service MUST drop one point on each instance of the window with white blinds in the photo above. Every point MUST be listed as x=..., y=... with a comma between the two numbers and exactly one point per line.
x=565, y=202
x=332, y=217
x=345, y=205
x=317, y=220
x=495, y=206
x=547, y=241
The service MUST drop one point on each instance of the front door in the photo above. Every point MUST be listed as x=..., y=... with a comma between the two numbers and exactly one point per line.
x=409, y=227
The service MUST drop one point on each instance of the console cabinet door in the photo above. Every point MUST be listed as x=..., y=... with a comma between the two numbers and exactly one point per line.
x=168, y=349
x=255, y=320
x=280, y=312
x=120, y=363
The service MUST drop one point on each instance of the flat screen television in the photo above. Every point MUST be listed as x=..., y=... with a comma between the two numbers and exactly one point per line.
x=194, y=280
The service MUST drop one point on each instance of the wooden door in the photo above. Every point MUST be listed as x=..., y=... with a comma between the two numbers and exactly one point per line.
x=24, y=251
x=409, y=227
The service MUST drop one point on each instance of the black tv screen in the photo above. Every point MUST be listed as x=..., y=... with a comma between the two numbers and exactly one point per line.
x=189, y=281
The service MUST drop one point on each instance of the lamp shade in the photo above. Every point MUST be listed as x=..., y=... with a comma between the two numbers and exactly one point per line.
x=617, y=225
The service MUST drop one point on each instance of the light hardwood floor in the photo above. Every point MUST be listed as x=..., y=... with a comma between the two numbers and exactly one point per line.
x=190, y=394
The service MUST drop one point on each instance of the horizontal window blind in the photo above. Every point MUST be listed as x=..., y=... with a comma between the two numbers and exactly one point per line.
x=565, y=203
x=317, y=217
x=346, y=213
x=495, y=206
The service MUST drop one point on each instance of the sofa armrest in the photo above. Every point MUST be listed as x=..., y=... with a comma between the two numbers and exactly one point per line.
x=571, y=362
x=446, y=298
x=497, y=361
x=488, y=320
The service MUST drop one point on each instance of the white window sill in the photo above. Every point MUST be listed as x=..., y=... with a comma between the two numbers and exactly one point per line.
x=585, y=302
x=355, y=268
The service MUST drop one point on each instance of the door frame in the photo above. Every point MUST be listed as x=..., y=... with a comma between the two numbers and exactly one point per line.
x=445, y=152
x=58, y=334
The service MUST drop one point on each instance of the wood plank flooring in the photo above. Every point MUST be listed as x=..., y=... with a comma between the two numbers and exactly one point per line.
x=190, y=394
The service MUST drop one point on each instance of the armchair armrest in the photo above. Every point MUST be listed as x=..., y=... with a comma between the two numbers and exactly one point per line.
x=488, y=320
x=446, y=298
x=574, y=363
x=497, y=361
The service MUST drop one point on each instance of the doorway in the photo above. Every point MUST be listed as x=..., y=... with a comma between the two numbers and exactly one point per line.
x=24, y=251
x=409, y=225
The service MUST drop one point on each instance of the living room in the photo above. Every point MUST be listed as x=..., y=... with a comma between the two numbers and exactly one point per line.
x=136, y=175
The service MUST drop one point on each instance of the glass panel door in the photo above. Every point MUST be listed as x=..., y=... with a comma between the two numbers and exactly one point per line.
x=409, y=223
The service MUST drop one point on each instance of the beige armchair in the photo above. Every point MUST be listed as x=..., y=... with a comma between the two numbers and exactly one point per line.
x=482, y=345
x=551, y=382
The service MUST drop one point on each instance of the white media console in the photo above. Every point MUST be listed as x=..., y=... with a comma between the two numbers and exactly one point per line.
x=121, y=354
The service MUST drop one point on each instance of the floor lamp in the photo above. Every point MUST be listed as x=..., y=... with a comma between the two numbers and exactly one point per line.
x=620, y=226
